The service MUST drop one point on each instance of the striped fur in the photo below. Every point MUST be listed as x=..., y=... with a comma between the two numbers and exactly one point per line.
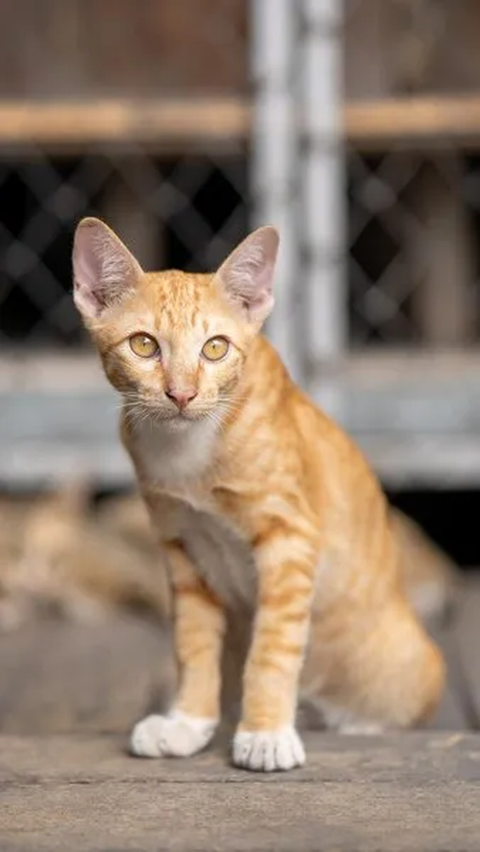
x=269, y=514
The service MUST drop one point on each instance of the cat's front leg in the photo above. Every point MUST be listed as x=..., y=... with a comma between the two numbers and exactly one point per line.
x=266, y=739
x=199, y=631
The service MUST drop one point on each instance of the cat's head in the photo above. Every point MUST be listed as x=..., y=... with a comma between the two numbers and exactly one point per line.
x=173, y=343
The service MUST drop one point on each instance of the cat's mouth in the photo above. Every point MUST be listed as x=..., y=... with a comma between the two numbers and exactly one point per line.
x=176, y=418
x=185, y=416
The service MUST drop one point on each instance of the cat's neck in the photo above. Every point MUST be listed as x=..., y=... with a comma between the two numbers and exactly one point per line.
x=170, y=452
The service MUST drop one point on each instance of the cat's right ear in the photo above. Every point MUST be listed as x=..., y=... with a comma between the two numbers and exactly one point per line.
x=246, y=276
x=104, y=271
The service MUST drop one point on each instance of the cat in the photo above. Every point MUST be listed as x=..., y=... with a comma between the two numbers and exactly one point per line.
x=268, y=513
x=57, y=554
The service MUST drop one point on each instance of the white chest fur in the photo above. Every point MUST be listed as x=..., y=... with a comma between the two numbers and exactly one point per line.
x=222, y=558
x=176, y=457
x=175, y=461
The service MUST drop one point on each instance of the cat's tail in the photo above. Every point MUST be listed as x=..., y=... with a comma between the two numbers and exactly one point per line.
x=431, y=578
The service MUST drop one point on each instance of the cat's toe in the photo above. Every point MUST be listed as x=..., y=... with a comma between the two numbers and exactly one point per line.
x=175, y=735
x=268, y=751
x=147, y=735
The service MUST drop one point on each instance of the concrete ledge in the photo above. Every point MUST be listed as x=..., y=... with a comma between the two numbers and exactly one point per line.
x=416, y=791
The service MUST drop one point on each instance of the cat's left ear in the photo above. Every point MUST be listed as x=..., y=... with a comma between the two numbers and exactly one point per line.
x=246, y=276
x=104, y=271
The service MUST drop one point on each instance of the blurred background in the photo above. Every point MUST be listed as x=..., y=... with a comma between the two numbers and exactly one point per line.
x=353, y=126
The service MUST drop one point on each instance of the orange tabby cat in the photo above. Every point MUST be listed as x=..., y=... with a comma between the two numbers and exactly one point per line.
x=263, y=505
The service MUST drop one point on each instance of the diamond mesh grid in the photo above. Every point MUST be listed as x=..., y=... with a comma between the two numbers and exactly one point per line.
x=186, y=212
x=189, y=210
x=385, y=217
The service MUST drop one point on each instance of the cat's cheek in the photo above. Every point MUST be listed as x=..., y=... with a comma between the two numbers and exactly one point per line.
x=229, y=380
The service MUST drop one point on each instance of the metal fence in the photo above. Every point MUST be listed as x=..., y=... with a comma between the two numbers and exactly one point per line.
x=354, y=140
x=185, y=212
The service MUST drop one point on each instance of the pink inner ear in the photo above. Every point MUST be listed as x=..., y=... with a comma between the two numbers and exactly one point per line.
x=87, y=301
x=264, y=278
x=89, y=294
x=103, y=268
x=247, y=275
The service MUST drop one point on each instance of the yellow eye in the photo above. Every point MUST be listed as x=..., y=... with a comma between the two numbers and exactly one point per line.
x=215, y=349
x=143, y=345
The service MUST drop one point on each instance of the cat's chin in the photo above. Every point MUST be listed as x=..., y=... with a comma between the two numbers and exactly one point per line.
x=178, y=423
x=182, y=422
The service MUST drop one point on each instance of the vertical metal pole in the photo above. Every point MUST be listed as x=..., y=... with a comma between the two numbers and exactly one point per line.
x=323, y=189
x=274, y=156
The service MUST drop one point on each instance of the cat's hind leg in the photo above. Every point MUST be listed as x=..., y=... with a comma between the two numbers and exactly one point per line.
x=370, y=680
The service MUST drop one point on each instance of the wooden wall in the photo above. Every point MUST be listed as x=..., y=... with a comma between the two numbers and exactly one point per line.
x=84, y=48
x=61, y=48
x=405, y=46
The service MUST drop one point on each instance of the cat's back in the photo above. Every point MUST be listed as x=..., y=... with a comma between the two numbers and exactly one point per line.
x=347, y=499
x=334, y=471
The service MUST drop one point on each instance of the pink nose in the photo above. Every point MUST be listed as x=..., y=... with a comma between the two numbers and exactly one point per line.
x=181, y=398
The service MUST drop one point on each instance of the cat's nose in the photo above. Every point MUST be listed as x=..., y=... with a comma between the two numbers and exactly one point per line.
x=182, y=397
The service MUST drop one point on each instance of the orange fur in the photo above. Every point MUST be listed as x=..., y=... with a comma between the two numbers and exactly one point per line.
x=431, y=578
x=55, y=551
x=264, y=505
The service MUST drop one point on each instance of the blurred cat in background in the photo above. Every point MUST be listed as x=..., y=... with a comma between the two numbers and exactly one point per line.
x=56, y=552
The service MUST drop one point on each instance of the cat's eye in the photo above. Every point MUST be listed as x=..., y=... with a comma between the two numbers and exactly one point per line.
x=144, y=345
x=215, y=349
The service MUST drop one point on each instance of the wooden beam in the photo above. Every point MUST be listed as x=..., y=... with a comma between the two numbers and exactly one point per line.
x=103, y=122
x=421, y=121
x=374, y=370
x=416, y=416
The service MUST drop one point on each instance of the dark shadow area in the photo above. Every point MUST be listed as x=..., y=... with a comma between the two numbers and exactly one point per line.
x=451, y=518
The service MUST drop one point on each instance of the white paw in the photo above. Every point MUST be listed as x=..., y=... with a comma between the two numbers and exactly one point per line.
x=268, y=751
x=175, y=735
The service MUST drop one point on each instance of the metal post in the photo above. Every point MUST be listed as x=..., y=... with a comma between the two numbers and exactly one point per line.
x=323, y=191
x=274, y=155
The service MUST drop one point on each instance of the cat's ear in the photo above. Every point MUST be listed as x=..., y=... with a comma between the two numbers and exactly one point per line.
x=104, y=271
x=246, y=276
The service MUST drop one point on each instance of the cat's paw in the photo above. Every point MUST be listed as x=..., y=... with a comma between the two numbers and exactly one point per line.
x=268, y=751
x=175, y=735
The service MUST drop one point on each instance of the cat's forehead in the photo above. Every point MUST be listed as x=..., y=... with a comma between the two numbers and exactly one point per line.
x=180, y=300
